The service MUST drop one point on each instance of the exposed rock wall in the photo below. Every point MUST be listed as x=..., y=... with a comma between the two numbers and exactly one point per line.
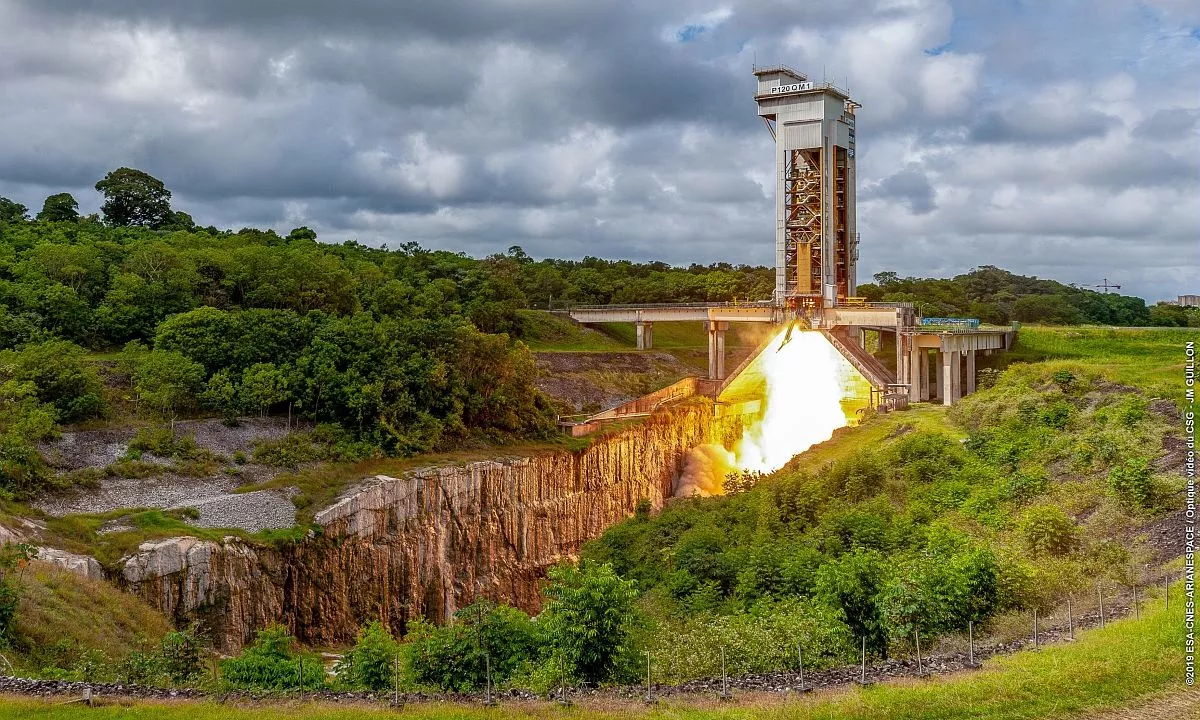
x=424, y=544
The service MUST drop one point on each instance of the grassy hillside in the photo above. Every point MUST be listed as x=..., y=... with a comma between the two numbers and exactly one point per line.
x=1151, y=359
x=63, y=617
x=1128, y=666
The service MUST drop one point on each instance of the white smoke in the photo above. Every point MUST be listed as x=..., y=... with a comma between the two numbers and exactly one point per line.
x=704, y=471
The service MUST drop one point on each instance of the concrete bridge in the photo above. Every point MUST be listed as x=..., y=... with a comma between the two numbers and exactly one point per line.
x=953, y=350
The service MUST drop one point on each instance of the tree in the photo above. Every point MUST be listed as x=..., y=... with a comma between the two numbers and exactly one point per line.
x=301, y=233
x=852, y=583
x=12, y=211
x=370, y=664
x=588, y=613
x=62, y=376
x=168, y=381
x=222, y=393
x=132, y=197
x=60, y=207
x=263, y=385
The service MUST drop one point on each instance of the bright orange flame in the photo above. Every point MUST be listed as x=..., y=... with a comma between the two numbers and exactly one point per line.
x=807, y=381
x=811, y=391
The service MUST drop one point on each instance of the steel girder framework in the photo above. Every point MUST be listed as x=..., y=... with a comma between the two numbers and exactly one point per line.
x=803, y=225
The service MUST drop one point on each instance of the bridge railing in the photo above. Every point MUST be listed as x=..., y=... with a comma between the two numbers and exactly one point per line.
x=683, y=306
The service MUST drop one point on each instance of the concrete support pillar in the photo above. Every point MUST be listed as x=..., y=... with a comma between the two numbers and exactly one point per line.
x=956, y=387
x=721, y=350
x=649, y=335
x=939, y=372
x=923, y=371
x=716, y=349
x=641, y=335
x=946, y=368
x=914, y=367
x=970, y=372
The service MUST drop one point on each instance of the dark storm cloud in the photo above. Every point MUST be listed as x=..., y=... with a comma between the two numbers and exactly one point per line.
x=1025, y=125
x=621, y=129
x=910, y=187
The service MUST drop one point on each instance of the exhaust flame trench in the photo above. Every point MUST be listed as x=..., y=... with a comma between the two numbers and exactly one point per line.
x=809, y=391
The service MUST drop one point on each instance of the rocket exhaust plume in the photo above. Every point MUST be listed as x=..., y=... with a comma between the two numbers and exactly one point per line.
x=807, y=382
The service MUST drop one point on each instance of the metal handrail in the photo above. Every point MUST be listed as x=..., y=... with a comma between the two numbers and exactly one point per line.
x=682, y=306
x=945, y=329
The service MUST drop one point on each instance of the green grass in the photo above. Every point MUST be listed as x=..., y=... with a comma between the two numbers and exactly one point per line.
x=875, y=432
x=80, y=533
x=683, y=335
x=1116, y=667
x=546, y=332
x=1148, y=358
x=58, y=606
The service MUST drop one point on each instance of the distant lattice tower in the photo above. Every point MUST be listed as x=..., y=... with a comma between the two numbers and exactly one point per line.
x=816, y=245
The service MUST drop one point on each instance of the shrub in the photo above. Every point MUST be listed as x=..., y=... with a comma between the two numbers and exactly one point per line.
x=760, y=641
x=588, y=613
x=456, y=656
x=1022, y=486
x=1132, y=483
x=14, y=558
x=370, y=664
x=852, y=584
x=270, y=663
x=1057, y=414
x=1046, y=529
x=62, y=377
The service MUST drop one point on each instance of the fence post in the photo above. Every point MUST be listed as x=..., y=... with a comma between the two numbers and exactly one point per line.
x=920, y=667
x=1100, y=597
x=724, y=677
x=1137, y=613
x=562, y=668
x=862, y=678
x=396, y=681
x=1070, y=620
x=1166, y=593
x=649, y=695
x=800, y=655
x=300, y=675
x=971, y=643
x=1035, y=629
x=487, y=679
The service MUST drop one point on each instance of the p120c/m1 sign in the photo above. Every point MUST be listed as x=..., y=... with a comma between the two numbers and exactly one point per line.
x=796, y=87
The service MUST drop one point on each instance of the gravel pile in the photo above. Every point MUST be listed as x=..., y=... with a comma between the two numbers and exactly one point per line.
x=213, y=496
x=252, y=511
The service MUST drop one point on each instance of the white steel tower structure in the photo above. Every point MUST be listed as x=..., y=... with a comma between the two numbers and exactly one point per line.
x=816, y=245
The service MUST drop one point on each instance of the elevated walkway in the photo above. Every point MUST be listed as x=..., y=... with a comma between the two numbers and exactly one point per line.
x=866, y=363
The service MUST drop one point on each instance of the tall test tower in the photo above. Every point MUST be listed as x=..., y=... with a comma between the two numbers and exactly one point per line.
x=816, y=245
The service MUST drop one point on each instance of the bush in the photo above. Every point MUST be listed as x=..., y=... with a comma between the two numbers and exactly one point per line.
x=456, y=656
x=1132, y=483
x=588, y=613
x=761, y=641
x=62, y=377
x=934, y=593
x=271, y=664
x=370, y=664
x=852, y=584
x=1047, y=530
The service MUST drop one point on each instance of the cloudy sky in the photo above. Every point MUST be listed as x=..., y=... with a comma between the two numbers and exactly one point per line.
x=1052, y=137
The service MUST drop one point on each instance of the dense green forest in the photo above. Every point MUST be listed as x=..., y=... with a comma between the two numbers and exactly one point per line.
x=998, y=296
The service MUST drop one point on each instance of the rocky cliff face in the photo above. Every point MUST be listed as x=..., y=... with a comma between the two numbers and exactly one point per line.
x=424, y=544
